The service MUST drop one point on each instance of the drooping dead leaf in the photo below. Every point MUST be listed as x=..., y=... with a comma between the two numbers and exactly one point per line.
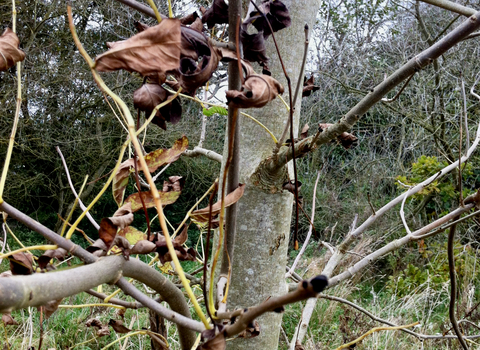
x=216, y=14
x=163, y=156
x=182, y=253
x=152, y=52
x=10, y=54
x=118, y=326
x=213, y=339
x=45, y=258
x=254, y=49
x=201, y=215
x=98, y=248
x=276, y=13
x=8, y=319
x=229, y=55
x=50, y=307
x=346, y=139
x=173, y=183
x=308, y=86
x=132, y=235
x=143, y=247
x=192, y=74
x=21, y=263
x=123, y=217
x=120, y=180
x=154, y=160
x=123, y=244
x=304, y=132
x=94, y=322
x=165, y=197
x=257, y=91
x=251, y=331
x=197, y=25
x=189, y=19
x=103, y=331
x=290, y=186
x=107, y=231
x=194, y=43
x=147, y=97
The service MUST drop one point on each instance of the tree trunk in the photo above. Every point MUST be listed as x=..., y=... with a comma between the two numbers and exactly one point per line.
x=263, y=224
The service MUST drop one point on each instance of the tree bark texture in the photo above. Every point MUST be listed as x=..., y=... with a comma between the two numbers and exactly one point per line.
x=264, y=218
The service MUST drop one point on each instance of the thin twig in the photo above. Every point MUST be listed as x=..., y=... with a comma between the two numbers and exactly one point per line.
x=89, y=216
x=453, y=287
x=370, y=202
x=389, y=100
x=309, y=234
x=297, y=89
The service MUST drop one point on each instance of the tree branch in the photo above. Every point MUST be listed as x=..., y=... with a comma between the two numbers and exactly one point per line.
x=451, y=6
x=346, y=122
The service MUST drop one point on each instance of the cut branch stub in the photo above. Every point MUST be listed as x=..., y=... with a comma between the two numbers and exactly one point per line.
x=152, y=52
x=10, y=54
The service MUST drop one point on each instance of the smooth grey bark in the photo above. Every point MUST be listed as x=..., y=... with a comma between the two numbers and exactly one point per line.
x=264, y=218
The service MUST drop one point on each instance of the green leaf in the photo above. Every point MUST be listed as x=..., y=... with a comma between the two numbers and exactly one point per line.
x=215, y=110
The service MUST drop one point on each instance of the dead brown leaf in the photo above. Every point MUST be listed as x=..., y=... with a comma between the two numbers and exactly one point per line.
x=192, y=74
x=304, y=132
x=118, y=326
x=50, y=307
x=94, y=322
x=276, y=13
x=147, y=97
x=10, y=54
x=216, y=14
x=123, y=217
x=8, y=319
x=251, y=331
x=201, y=215
x=213, y=339
x=189, y=19
x=107, y=231
x=308, y=86
x=346, y=139
x=143, y=247
x=174, y=183
x=21, y=263
x=257, y=91
x=152, y=52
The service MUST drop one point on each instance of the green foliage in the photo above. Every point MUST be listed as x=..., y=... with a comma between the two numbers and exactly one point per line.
x=214, y=109
x=446, y=190
x=435, y=272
